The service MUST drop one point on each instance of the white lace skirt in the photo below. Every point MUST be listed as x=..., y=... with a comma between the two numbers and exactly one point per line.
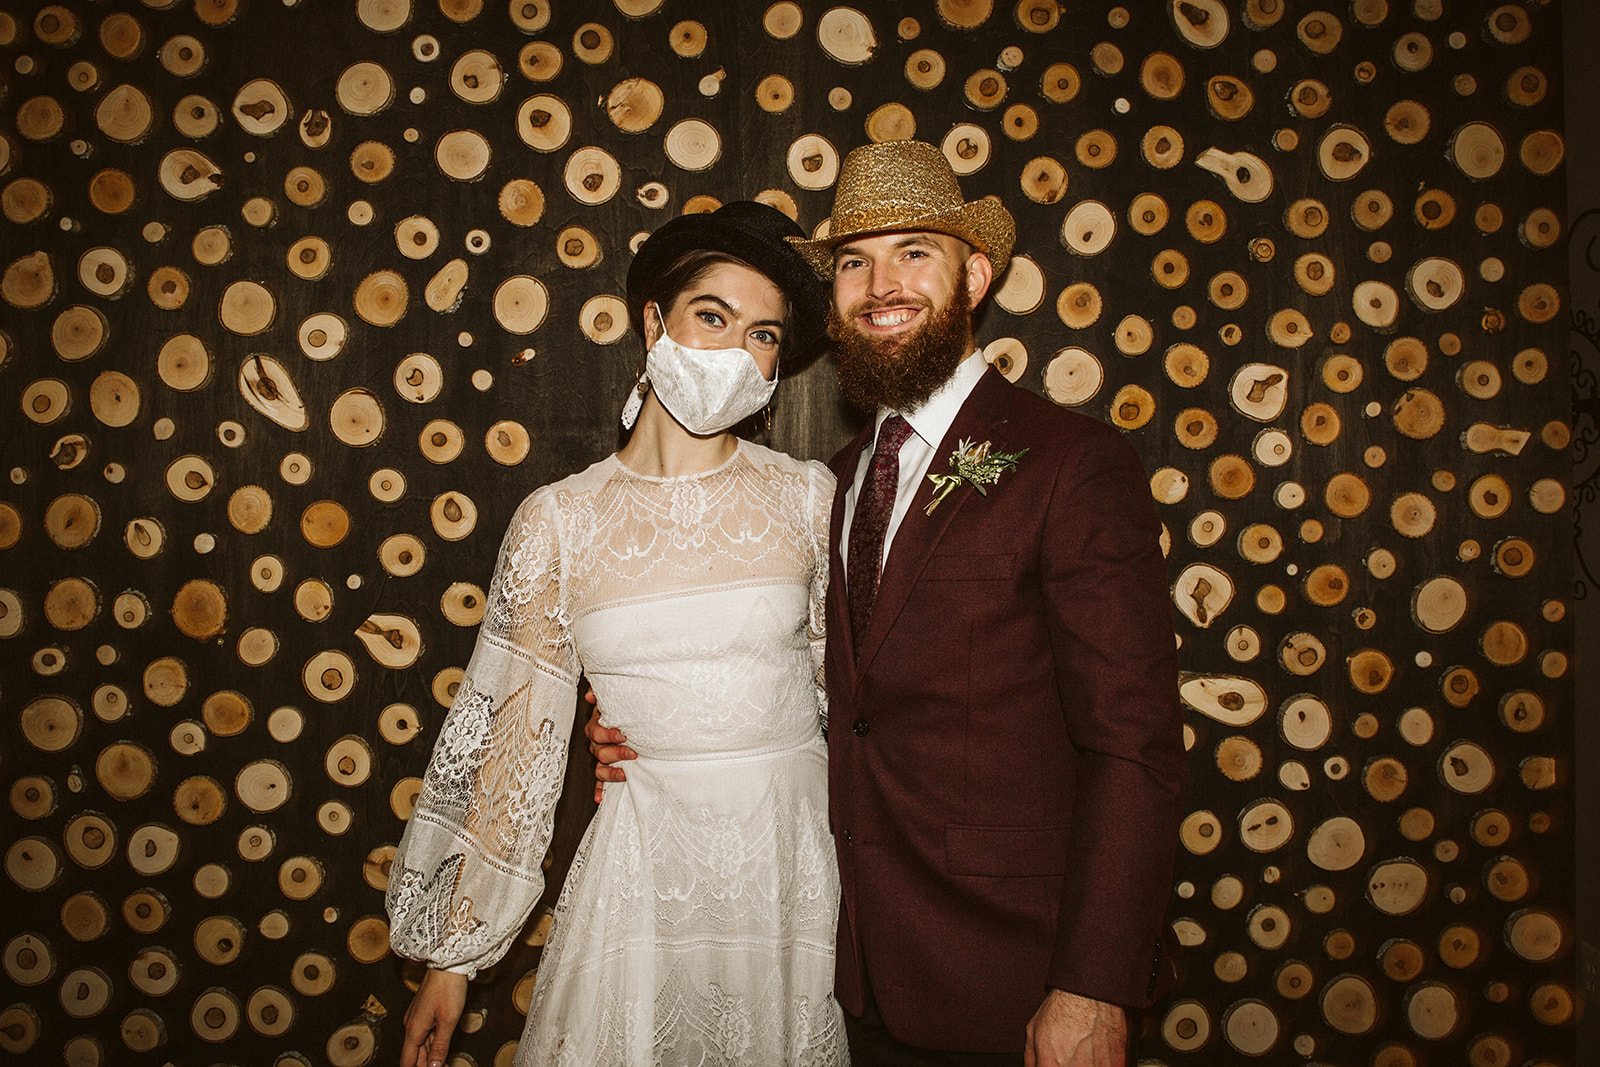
x=697, y=924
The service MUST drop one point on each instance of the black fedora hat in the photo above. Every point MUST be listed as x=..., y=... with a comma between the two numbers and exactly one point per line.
x=750, y=231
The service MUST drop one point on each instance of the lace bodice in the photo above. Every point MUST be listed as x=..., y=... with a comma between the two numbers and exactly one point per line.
x=694, y=606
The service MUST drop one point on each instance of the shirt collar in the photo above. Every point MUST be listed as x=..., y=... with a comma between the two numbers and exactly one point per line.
x=931, y=419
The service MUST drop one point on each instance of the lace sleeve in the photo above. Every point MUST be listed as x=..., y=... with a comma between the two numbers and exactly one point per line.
x=468, y=869
x=820, y=510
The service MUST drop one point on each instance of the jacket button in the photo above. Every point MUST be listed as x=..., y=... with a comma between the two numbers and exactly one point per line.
x=848, y=839
x=861, y=727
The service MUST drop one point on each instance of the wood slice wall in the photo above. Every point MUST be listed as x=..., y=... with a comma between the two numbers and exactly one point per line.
x=300, y=297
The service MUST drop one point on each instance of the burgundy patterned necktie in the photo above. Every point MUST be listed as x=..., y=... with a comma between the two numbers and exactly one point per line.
x=871, y=522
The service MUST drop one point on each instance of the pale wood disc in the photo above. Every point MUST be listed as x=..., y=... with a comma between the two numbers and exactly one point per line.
x=634, y=104
x=300, y=877
x=964, y=14
x=891, y=122
x=125, y=770
x=266, y=385
x=1435, y=283
x=463, y=604
x=592, y=43
x=967, y=146
x=1370, y=671
x=1539, y=302
x=1432, y=1011
x=71, y=603
x=1073, y=377
x=1407, y=122
x=200, y=609
x=182, y=55
x=539, y=61
x=313, y=599
x=924, y=69
x=324, y=523
x=1107, y=59
x=394, y=641
x=29, y=282
x=1161, y=75
x=84, y=915
x=1466, y=768
x=1238, y=758
x=215, y=1015
x=368, y=939
x=1247, y=176
x=603, y=319
x=445, y=289
x=418, y=378
x=463, y=155
x=1203, y=23
x=247, y=308
x=386, y=485
x=372, y=162
x=1349, y=1005
x=322, y=336
x=1337, y=844
x=85, y=992
x=212, y=245
x=104, y=272
x=1541, y=151
x=27, y=199
x=263, y=785
x=383, y=16
x=520, y=304
x=1534, y=935
x=1230, y=700
x=476, y=76
x=329, y=676
x=1170, y=269
x=381, y=298
x=1088, y=228
x=1229, y=98
x=1300, y=654
x=309, y=258
x=1196, y=428
x=51, y=724
x=168, y=288
x=1231, y=477
x=454, y=515
x=1477, y=150
x=1201, y=593
x=46, y=400
x=313, y=974
x=691, y=144
x=592, y=175
x=507, y=442
x=196, y=116
x=72, y=520
x=812, y=161
x=688, y=38
x=985, y=89
x=112, y=191
x=261, y=108
x=267, y=573
x=152, y=849
x=270, y=1011
x=199, y=801
x=125, y=115
x=33, y=797
x=1268, y=927
x=846, y=35
x=40, y=118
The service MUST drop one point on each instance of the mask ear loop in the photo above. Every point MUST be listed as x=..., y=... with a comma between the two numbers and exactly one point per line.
x=641, y=387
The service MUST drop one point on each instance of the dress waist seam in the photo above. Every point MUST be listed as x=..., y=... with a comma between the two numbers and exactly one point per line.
x=722, y=759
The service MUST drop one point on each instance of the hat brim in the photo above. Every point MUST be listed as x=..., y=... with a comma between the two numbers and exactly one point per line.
x=985, y=224
x=808, y=301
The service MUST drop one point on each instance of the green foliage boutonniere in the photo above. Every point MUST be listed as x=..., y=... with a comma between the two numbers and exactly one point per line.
x=974, y=464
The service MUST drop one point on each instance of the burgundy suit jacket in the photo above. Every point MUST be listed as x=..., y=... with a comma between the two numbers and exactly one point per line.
x=1005, y=752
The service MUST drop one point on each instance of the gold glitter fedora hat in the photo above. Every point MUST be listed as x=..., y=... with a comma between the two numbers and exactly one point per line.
x=894, y=186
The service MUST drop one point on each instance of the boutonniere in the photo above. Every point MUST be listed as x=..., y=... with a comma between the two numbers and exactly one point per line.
x=974, y=464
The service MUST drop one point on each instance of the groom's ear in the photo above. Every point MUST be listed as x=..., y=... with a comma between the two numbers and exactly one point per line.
x=980, y=275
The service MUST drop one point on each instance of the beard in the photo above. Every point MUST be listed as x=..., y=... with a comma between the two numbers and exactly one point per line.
x=902, y=373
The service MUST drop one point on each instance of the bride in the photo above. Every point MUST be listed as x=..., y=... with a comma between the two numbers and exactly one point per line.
x=684, y=577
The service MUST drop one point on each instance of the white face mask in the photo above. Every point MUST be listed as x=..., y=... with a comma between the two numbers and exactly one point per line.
x=706, y=389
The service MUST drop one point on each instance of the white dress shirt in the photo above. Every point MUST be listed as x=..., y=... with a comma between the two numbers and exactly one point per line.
x=930, y=421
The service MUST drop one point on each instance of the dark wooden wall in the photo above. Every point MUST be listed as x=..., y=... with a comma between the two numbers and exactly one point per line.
x=1310, y=259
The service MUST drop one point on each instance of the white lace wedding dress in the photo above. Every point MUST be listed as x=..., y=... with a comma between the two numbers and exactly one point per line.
x=697, y=923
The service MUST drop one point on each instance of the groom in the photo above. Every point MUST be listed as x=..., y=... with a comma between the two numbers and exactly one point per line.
x=995, y=575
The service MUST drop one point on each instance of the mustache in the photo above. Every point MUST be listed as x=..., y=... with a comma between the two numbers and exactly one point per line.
x=867, y=305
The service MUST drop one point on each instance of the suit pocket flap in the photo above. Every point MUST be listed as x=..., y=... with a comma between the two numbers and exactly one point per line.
x=1005, y=851
x=972, y=567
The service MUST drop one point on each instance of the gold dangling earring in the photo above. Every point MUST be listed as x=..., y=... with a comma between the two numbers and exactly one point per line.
x=766, y=415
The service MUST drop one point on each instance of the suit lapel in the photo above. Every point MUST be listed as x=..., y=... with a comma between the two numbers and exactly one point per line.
x=986, y=408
